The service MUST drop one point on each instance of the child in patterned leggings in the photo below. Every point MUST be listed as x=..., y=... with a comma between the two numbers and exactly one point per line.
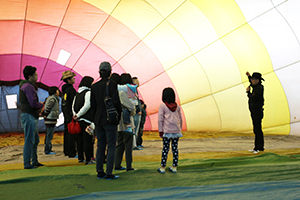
x=169, y=126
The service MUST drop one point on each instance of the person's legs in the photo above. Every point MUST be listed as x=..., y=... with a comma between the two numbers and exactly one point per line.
x=128, y=139
x=66, y=140
x=257, y=129
x=139, y=139
x=72, y=140
x=34, y=157
x=101, y=138
x=111, y=135
x=119, y=150
x=165, y=151
x=79, y=139
x=29, y=131
x=175, y=151
x=48, y=139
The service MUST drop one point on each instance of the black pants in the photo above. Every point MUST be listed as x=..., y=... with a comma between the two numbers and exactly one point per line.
x=69, y=143
x=85, y=143
x=139, y=139
x=257, y=116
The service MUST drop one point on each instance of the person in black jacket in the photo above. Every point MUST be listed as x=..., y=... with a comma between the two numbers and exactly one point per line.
x=68, y=93
x=105, y=131
x=256, y=103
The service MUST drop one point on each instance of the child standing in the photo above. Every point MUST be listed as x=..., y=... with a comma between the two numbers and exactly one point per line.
x=51, y=114
x=169, y=127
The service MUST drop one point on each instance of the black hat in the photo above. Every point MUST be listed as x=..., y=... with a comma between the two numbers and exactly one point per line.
x=105, y=67
x=257, y=75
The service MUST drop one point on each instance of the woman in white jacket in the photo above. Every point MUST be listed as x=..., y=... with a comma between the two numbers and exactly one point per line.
x=81, y=112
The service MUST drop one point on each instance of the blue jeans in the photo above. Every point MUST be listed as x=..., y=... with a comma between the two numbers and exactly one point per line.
x=106, y=134
x=48, y=139
x=32, y=139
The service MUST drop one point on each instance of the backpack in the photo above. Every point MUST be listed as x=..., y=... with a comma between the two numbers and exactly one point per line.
x=111, y=111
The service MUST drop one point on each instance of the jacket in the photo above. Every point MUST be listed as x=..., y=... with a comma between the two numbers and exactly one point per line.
x=51, y=111
x=82, y=104
x=29, y=99
x=256, y=97
x=169, y=121
x=98, y=93
x=68, y=93
x=125, y=101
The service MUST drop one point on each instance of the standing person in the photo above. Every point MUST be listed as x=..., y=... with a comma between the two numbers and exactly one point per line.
x=30, y=108
x=82, y=113
x=256, y=103
x=68, y=93
x=139, y=139
x=137, y=117
x=51, y=114
x=105, y=130
x=124, y=139
x=169, y=127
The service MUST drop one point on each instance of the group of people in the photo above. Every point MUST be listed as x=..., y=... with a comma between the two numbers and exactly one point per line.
x=87, y=106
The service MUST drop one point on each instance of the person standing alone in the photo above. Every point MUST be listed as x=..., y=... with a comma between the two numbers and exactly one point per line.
x=30, y=108
x=256, y=103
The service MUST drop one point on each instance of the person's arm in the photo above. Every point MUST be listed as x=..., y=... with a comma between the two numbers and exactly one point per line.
x=125, y=101
x=115, y=96
x=180, y=117
x=48, y=106
x=73, y=104
x=93, y=103
x=32, y=97
x=160, y=120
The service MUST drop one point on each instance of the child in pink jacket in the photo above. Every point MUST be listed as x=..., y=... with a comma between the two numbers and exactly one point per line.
x=169, y=127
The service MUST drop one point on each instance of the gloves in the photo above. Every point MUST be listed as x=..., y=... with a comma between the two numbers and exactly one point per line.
x=161, y=134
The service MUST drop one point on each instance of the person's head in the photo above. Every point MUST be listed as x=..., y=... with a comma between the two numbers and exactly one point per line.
x=126, y=79
x=136, y=81
x=168, y=95
x=86, y=81
x=30, y=74
x=256, y=78
x=115, y=77
x=68, y=77
x=105, y=69
x=53, y=90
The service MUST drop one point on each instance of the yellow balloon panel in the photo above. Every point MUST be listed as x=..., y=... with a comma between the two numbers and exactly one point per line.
x=220, y=66
x=248, y=51
x=202, y=115
x=104, y=5
x=190, y=80
x=225, y=15
x=233, y=107
x=194, y=26
x=165, y=8
x=276, y=106
x=168, y=45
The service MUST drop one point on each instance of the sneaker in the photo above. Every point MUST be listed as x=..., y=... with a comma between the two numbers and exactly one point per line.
x=121, y=168
x=38, y=164
x=129, y=131
x=172, y=169
x=251, y=150
x=30, y=167
x=81, y=161
x=140, y=146
x=50, y=153
x=101, y=175
x=256, y=152
x=111, y=177
x=161, y=170
x=93, y=159
x=130, y=169
x=137, y=148
x=90, y=163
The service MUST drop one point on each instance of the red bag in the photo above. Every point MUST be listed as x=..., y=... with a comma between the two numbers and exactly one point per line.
x=74, y=127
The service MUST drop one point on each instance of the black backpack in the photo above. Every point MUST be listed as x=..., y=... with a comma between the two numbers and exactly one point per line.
x=112, y=114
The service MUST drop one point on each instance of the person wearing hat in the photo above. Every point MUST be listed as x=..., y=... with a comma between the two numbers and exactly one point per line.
x=256, y=103
x=68, y=94
x=106, y=132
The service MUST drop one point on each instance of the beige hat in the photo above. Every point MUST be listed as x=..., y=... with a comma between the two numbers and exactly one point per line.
x=67, y=74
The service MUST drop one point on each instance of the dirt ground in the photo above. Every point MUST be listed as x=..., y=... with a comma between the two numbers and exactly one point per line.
x=204, y=146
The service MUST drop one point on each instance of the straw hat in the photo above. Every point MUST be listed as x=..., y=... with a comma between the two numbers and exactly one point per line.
x=67, y=74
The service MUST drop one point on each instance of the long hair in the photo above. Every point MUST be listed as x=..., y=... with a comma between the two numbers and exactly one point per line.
x=86, y=81
x=168, y=95
x=115, y=77
x=126, y=78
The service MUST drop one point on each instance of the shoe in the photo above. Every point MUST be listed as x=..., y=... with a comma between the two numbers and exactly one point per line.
x=121, y=168
x=130, y=169
x=172, y=169
x=256, y=152
x=30, y=167
x=137, y=148
x=251, y=150
x=140, y=146
x=129, y=131
x=76, y=156
x=161, y=170
x=38, y=164
x=90, y=163
x=93, y=159
x=50, y=153
x=111, y=177
x=81, y=161
x=101, y=175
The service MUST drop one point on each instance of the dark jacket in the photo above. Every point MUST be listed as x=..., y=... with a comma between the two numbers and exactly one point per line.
x=68, y=93
x=79, y=103
x=256, y=97
x=51, y=111
x=98, y=94
x=29, y=99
